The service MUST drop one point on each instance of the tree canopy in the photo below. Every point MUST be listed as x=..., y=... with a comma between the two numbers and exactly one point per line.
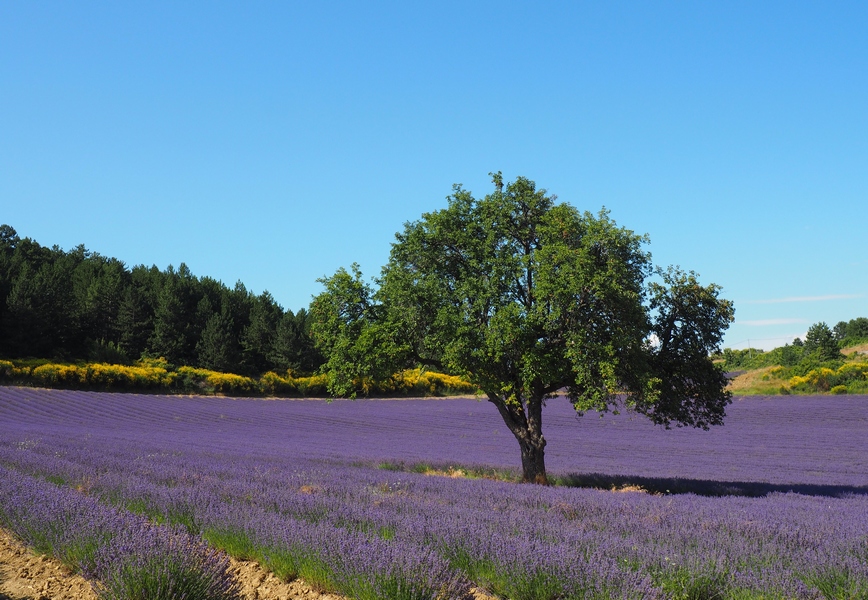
x=526, y=297
x=820, y=340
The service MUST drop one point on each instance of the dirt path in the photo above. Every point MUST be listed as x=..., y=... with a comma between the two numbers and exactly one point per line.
x=25, y=575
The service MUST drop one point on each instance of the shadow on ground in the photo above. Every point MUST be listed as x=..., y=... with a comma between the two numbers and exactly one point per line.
x=705, y=487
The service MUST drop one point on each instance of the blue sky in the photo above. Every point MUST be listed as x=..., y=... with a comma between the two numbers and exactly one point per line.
x=275, y=142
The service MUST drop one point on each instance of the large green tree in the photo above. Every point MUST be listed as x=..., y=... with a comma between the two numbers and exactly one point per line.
x=526, y=297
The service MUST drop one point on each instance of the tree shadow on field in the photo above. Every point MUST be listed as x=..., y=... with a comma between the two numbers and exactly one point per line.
x=704, y=487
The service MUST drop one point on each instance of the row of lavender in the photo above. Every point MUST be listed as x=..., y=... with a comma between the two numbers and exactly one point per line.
x=124, y=555
x=297, y=514
x=519, y=541
x=359, y=531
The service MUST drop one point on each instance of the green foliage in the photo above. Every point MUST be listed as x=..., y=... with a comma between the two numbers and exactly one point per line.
x=810, y=367
x=839, y=583
x=820, y=342
x=818, y=349
x=698, y=583
x=786, y=355
x=213, y=348
x=293, y=348
x=345, y=327
x=136, y=311
x=523, y=297
x=850, y=333
x=258, y=336
x=102, y=351
x=689, y=323
x=80, y=305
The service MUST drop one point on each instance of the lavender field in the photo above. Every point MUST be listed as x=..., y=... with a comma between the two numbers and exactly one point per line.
x=780, y=509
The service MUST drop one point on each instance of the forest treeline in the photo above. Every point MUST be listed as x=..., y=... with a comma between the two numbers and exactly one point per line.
x=80, y=305
x=822, y=345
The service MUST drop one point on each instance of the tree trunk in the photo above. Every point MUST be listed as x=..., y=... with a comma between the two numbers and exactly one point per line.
x=527, y=429
x=533, y=465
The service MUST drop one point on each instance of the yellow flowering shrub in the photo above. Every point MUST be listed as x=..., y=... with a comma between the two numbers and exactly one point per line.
x=217, y=382
x=427, y=383
x=97, y=375
x=141, y=375
x=6, y=369
x=853, y=371
x=815, y=379
x=158, y=374
x=21, y=371
x=315, y=385
x=272, y=384
x=848, y=378
x=773, y=373
x=57, y=374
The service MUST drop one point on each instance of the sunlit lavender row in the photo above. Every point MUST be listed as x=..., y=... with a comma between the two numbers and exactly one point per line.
x=124, y=555
x=295, y=486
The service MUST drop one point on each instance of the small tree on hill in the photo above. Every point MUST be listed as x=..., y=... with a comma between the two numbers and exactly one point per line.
x=525, y=297
x=820, y=341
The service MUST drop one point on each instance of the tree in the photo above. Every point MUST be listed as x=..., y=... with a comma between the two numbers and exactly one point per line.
x=850, y=333
x=214, y=349
x=525, y=297
x=292, y=348
x=346, y=327
x=40, y=315
x=136, y=310
x=174, y=333
x=99, y=284
x=820, y=341
x=258, y=337
x=8, y=241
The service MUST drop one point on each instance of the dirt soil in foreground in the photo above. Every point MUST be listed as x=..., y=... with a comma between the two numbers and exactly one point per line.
x=25, y=575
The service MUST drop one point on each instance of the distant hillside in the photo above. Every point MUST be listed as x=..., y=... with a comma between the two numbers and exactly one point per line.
x=828, y=361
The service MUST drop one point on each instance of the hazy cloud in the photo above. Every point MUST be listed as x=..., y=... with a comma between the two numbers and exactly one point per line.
x=764, y=322
x=805, y=299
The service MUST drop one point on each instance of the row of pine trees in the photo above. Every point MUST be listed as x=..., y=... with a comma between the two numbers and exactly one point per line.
x=79, y=305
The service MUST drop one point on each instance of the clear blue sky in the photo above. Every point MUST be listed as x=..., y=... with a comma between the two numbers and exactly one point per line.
x=275, y=142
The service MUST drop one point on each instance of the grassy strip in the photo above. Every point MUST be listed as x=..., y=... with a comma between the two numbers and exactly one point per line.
x=453, y=471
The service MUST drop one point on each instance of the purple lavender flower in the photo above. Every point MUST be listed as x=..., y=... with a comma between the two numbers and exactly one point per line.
x=294, y=484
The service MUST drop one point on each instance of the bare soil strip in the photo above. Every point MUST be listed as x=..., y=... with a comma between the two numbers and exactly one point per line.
x=25, y=575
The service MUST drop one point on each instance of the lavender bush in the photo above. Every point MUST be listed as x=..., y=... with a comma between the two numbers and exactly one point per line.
x=162, y=564
x=125, y=556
